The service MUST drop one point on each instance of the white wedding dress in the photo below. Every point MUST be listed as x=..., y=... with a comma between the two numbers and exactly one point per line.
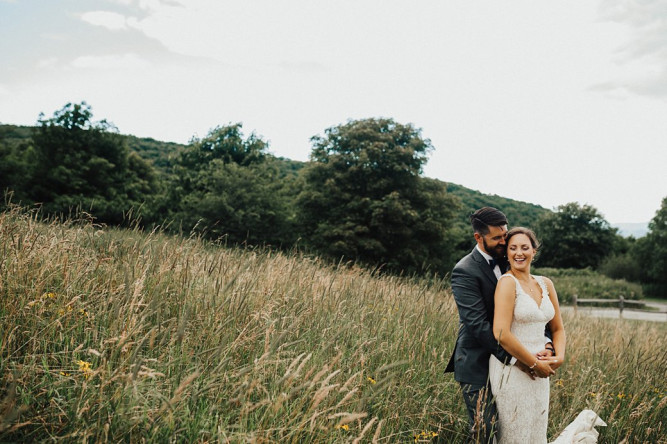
x=522, y=402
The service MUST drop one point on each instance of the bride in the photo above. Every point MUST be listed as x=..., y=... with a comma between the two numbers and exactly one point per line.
x=524, y=304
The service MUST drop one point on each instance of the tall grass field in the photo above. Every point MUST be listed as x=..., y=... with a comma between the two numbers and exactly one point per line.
x=113, y=335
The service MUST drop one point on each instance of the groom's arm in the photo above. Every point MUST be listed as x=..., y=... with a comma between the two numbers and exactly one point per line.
x=473, y=313
x=549, y=349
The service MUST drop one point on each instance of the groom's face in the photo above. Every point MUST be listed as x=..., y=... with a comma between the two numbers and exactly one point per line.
x=493, y=242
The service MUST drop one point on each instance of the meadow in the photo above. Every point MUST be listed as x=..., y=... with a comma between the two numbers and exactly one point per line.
x=110, y=335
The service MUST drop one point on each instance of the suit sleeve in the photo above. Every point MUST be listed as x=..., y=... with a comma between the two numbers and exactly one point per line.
x=473, y=312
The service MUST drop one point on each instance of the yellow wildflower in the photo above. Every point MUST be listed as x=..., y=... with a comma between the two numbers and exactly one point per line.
x=371, y=380
x=620, y=395
x=425, y=436
x=593, y=394
x=345, y=427
x=559, y=383
x=84, y=367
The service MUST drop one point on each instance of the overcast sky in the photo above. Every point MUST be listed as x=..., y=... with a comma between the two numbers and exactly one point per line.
x=547, y=102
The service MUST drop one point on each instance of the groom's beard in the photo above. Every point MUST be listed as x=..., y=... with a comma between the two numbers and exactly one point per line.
x=497, y=252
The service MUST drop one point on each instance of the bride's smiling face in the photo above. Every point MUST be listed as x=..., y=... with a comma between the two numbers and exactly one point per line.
x=520, y=252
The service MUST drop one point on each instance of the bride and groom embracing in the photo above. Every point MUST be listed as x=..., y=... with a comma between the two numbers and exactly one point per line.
x=511, y=336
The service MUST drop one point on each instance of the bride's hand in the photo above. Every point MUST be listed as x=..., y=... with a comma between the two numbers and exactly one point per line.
x=542, y=368
x=553, y=361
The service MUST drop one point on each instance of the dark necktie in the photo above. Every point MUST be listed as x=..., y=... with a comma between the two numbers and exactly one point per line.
x=492, y=263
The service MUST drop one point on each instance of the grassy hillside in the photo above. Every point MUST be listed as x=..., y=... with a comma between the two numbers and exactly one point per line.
x=109, y=335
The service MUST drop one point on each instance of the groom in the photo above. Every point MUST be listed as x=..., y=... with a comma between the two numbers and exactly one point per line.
x=474, y=281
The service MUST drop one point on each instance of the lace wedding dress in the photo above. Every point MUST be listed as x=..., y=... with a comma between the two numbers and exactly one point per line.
x=522, y=402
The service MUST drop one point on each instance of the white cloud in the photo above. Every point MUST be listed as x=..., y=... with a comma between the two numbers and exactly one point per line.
x=259, y=32
x=106, y=19
x=642, y=60
x=111, y=62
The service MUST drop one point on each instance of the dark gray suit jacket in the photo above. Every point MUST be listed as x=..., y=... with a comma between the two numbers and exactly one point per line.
x=473, y=285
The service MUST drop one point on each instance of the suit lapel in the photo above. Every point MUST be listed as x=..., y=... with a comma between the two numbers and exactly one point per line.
x=484, y=266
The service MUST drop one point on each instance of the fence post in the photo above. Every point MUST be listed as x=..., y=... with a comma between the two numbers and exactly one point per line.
x=621, y=301
x=574, y=302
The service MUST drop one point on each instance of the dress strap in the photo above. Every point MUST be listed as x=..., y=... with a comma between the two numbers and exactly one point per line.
x=509, y=275
x=516, y=283
x=543, y=285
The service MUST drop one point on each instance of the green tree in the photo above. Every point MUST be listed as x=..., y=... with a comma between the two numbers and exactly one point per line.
x=226, y=144
x=651, y=253
x=12, y=172
x=227, y=187
x=621, y=263
x=364, y=199
x=574, y=236
x=87, y=164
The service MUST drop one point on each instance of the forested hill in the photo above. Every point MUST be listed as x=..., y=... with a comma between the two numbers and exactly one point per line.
x=161, y=154
x=156, y=152
x=518, y=212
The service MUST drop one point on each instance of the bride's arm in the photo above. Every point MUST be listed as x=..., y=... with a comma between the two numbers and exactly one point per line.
x=556, y=326
x=502, y=321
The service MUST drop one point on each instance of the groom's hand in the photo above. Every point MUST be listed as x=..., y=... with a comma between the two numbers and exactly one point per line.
x=546, y=353
x=524, y=368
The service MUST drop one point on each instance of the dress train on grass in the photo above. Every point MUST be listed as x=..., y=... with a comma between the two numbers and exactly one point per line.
x=581, y=430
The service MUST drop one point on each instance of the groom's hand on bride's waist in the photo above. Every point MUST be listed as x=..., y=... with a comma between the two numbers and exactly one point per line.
x=524, y=368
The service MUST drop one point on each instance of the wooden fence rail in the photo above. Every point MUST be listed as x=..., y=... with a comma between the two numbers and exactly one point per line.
x=621, y=302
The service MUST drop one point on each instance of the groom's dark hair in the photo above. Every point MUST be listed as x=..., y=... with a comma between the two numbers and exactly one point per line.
x=487, y=217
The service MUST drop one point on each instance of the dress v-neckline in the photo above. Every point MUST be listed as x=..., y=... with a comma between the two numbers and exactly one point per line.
x=538, y=304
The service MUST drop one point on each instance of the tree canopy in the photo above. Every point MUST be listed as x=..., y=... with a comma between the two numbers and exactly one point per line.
x=575, y=236
x=86, y=164
x=226, y=187
x=651, y=254
x=364, y=199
